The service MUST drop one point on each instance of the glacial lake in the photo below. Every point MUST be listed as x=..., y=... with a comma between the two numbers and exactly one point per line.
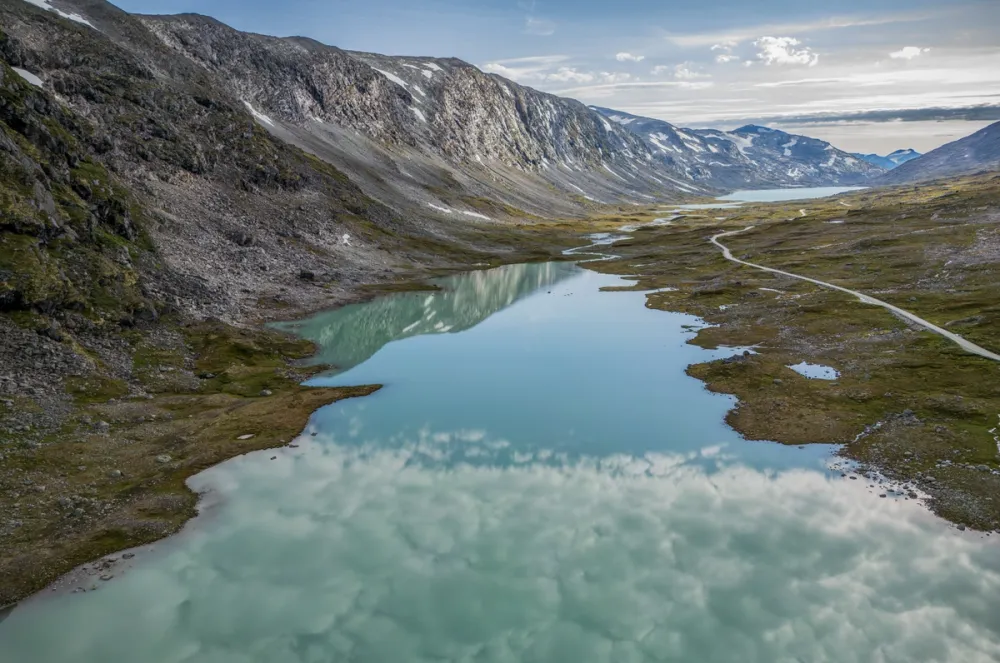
x=782, y=195
x=538, y=481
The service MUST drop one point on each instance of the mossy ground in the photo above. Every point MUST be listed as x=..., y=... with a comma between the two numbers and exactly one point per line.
x=194, y=388
x=933, y=250
x=106, y=489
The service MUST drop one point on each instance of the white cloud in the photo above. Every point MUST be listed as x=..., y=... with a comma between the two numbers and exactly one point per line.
x=691, y=40
x=539, y=27
x=526, y=68
x=725, y=51
x=551, y=69
x=908, y=53
x=568, y=75
x=629, y=57
x=685, y=71
x=785, y=50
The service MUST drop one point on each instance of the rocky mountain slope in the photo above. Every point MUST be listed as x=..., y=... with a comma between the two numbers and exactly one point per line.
x=749, y=157
x=975, y=153
x=890, y=160
x=436, y=132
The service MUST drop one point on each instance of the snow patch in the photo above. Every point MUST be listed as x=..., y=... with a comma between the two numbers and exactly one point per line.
x=28, y=76
x=419, y=113
x=428, y=74
x=446, y=210
x=260, y=117
x=608, y=168
x=45, y=4
x=476, y=215
x=392, y=77
x=742, y=143
x=789, y=145
x=431, y=65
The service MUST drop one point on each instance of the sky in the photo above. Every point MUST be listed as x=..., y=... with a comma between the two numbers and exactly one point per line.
x=867, y=75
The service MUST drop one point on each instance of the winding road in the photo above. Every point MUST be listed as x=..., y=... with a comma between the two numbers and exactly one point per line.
x=955, y=338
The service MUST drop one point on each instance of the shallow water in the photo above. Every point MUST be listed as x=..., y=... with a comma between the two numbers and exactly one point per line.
x=815, y=371
x=544, y=485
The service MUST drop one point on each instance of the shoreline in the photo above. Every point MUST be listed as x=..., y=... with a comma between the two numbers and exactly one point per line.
x=768, y=395
x=908, y=405
x=114, y=468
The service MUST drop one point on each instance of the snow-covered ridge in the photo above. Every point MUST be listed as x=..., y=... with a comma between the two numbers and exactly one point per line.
x=749, y=156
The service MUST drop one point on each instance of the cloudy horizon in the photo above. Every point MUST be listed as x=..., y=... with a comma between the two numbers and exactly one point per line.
x=870, y=76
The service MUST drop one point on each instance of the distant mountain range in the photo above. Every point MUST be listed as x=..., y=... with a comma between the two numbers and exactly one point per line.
x=890, y=160
x=751, y=156
x=972, y=154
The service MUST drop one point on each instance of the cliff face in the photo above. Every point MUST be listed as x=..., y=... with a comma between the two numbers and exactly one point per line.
x=437, y=132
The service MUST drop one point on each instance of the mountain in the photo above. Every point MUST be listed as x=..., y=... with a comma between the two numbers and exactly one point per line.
x=975, y=153
x=890, y=160
x=749, y=157
x=439, y=133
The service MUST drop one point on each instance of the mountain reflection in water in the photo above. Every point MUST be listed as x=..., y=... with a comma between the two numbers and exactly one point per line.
x=349, y=335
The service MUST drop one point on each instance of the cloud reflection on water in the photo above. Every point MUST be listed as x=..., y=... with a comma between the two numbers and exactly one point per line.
x=376, y=554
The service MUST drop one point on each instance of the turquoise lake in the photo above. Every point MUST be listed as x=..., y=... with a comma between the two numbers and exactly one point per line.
x=538, y=481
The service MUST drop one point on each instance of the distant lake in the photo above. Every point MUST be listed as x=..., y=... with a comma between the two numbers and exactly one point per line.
x=781, y=195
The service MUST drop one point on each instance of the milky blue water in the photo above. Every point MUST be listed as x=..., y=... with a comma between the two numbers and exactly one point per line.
x=537, y=481
x=780, y=195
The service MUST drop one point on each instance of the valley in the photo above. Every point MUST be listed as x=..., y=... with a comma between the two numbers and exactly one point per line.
x=388, y=357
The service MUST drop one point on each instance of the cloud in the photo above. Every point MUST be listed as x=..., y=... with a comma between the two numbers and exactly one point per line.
x=691, y=40
x=785, y=50
x=686, y=71
x=539, y=27
x=908, y=53
x=605, y=90
x=551, y=69
x=629, y=57
x=567, y=75
x=725, y=51
x=526, y=68
x=979, y=113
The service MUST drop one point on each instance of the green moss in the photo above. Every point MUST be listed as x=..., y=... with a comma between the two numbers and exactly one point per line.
x=95, y=388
